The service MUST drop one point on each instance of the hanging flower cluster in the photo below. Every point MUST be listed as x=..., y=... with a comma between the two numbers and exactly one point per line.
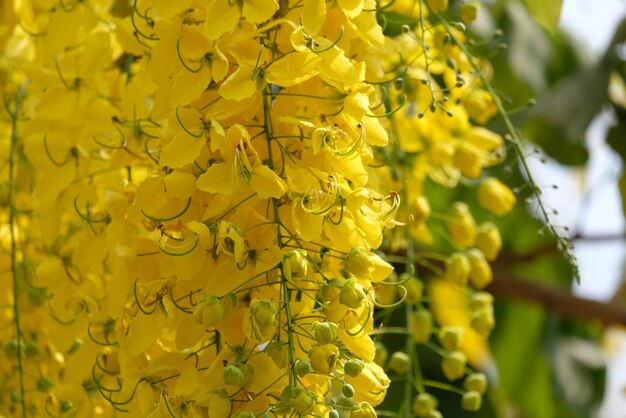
x=204, y=202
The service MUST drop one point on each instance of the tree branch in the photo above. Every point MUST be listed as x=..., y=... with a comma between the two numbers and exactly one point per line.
x=557, y=301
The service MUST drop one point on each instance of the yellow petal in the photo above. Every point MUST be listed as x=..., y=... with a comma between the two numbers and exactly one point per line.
x=216, y=179
x=187, y=382
x=293, y=69
x=144, y=330
x=313, y=16
x=239, y=85
x=257, y=11
x=266, y=183
x=180, y=184
x=221, y=17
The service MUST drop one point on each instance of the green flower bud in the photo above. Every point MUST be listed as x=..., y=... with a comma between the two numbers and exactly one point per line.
x=209, y=311
x=353, y=367
x=469, y=12
x=399, y=362
x=451, y=337
x=480, y=274
x=324, y=332
x=232, y=375
x=295, y=264
x=44, y=384
x=488, y=240
x=11, y=348
x=458, y=268
x=36, y=296
x=414, y=289
x=471, y=401
x=333, y=414
x=476, y=382
x=31, y=349
x=302, y=367
x=348, y=390
x=421, y=326
x=352, y=294
x=453, y=365
x=483, y=321
x=381, y=355
x=424, y=404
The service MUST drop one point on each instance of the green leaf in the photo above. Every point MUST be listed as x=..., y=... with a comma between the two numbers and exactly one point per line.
x=547, y=13
x=616, y=138
x=530, y=50
x=622, y=190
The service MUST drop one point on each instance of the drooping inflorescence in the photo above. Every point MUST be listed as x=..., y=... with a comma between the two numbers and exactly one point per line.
x=212, y=207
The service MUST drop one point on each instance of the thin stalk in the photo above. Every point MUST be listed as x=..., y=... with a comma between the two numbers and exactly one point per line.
x=16, y=308
x=564, y=244
x=286, y=293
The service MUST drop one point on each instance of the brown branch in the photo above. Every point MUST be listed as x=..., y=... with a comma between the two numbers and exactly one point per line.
x=557, y=301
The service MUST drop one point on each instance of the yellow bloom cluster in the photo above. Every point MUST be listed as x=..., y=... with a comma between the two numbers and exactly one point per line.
x=193, y=192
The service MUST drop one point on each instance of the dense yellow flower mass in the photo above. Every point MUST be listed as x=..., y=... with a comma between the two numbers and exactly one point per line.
x=194, y=193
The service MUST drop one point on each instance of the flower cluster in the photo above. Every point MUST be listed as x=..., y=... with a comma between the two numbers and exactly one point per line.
x=204, y=202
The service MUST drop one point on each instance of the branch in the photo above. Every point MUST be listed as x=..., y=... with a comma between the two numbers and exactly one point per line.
x=557, y=301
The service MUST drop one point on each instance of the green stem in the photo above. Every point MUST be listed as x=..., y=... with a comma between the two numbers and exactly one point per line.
x=563, y=243
x=286, y=293
x=16, y=309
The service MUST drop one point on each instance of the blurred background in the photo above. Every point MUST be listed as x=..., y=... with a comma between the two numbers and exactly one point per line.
x=560, y=345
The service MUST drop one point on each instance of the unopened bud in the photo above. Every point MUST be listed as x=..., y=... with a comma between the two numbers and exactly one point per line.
x=324, y=332
x=483, y=321
x=399, y=362
x=352, y=294
x=453, y=365
x=480, y=273
x=295, y=264
x=471, y=401
x=421, y=326
x=488, y=240
x=353, y=367
x=476, y=382
x=302, y=367
x=424, y=404
x=461, y=225
x=232, y=375
x=469, y=12
x=209, y=311
x=495, y=196
x=451, y=337
x=414, y=289
x=457, y=268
